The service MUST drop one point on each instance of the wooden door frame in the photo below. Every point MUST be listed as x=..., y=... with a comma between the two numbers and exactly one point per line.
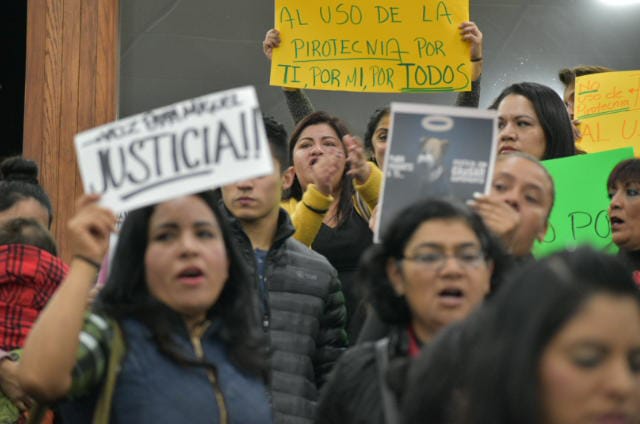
x=71, y=84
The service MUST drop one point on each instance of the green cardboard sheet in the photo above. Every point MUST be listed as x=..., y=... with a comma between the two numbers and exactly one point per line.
x=580, y=214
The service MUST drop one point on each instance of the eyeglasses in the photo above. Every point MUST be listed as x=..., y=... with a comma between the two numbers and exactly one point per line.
x=437, y=261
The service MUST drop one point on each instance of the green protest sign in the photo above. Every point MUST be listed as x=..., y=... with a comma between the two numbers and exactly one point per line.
x=580, y=214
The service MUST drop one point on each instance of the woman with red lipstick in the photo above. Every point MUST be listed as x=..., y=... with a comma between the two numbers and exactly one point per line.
x=533, y=119
x=623, y=186
x=437, y=262
x=330, y=199
x=172, y=337
x=559, y=344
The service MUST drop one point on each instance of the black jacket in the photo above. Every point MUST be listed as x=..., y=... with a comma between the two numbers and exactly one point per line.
x=352, y=395
x=305, y=317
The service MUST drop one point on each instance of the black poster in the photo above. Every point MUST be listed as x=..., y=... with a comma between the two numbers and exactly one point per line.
x=436, y=151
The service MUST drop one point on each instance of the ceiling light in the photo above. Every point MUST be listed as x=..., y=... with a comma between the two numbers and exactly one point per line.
x=620, y=2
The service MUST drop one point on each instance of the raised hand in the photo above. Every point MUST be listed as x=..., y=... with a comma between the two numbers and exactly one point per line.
x=472, y=34
x=327, y=170
x=498, y=215
x=90, y=227
x=359, y=168
x=271, y=41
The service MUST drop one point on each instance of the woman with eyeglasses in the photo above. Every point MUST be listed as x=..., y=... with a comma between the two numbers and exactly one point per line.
x=437, y=262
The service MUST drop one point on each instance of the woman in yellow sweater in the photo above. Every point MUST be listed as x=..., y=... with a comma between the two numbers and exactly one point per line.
x=331, y=198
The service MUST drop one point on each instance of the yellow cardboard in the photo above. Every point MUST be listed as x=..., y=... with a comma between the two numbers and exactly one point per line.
x=608, y=107
x=364, y=46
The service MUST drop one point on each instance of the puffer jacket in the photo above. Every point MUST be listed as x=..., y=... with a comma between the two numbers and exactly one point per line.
x=305, y=318
x=353, y=394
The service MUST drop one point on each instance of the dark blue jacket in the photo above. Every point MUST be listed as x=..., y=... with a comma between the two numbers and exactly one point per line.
x=152, y=388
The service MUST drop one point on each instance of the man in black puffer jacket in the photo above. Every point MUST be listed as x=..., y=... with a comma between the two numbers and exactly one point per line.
x=301, y=300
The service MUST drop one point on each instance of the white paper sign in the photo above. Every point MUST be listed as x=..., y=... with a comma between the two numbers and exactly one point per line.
x=175, y=150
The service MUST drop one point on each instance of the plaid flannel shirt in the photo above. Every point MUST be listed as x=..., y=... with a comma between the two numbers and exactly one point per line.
x=28, y=278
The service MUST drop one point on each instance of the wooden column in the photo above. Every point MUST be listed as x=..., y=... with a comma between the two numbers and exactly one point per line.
x=71, y=85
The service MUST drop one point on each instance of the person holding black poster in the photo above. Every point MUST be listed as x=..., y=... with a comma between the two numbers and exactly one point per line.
x=518, y=206
x=516, y=210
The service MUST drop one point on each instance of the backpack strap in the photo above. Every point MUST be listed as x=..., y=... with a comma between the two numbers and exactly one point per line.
x=102, y=411
x=389, y=405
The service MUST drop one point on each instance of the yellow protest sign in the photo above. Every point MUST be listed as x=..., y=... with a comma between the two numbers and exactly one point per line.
x=608, y=107
x=382, y=46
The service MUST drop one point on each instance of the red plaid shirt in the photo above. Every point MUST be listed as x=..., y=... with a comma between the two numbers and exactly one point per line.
x=28, y=278
x=636, y=277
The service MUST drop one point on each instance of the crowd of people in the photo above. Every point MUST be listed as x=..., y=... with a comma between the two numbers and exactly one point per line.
x=266, y=300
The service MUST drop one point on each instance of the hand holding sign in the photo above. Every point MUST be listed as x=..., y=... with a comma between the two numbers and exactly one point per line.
x=472, y=35
x=501, y=218
x=90, y=228
x=271, y=41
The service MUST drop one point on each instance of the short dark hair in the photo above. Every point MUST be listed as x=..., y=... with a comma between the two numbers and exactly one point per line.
x=277, y=136
x=126, y=294
x=19, y=181
x=552, y=114
x=27, y=231
x=568, y=75
x=374, y=120
x=499, y=383
x=345, y=203
x=625, y=171
x=531, y=159
x=373, y=266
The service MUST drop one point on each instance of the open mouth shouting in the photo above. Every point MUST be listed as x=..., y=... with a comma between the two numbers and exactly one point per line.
x=616, y=223
x=191, y=276
x=451, y=296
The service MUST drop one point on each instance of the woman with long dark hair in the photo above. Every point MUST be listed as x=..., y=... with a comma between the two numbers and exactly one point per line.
x=533, y=119
x=176, y=318
x=333, y=191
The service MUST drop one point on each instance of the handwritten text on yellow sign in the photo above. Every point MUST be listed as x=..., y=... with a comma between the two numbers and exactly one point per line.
x=608, y=107
x=375, y=46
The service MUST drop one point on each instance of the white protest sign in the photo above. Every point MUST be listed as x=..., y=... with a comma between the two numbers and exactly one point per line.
x=175, y=150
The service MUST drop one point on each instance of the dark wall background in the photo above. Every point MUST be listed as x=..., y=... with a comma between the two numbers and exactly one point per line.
x=13, y=36
x=176, y=49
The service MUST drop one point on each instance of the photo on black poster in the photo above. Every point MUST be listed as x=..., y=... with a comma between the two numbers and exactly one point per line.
x=435, y=151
